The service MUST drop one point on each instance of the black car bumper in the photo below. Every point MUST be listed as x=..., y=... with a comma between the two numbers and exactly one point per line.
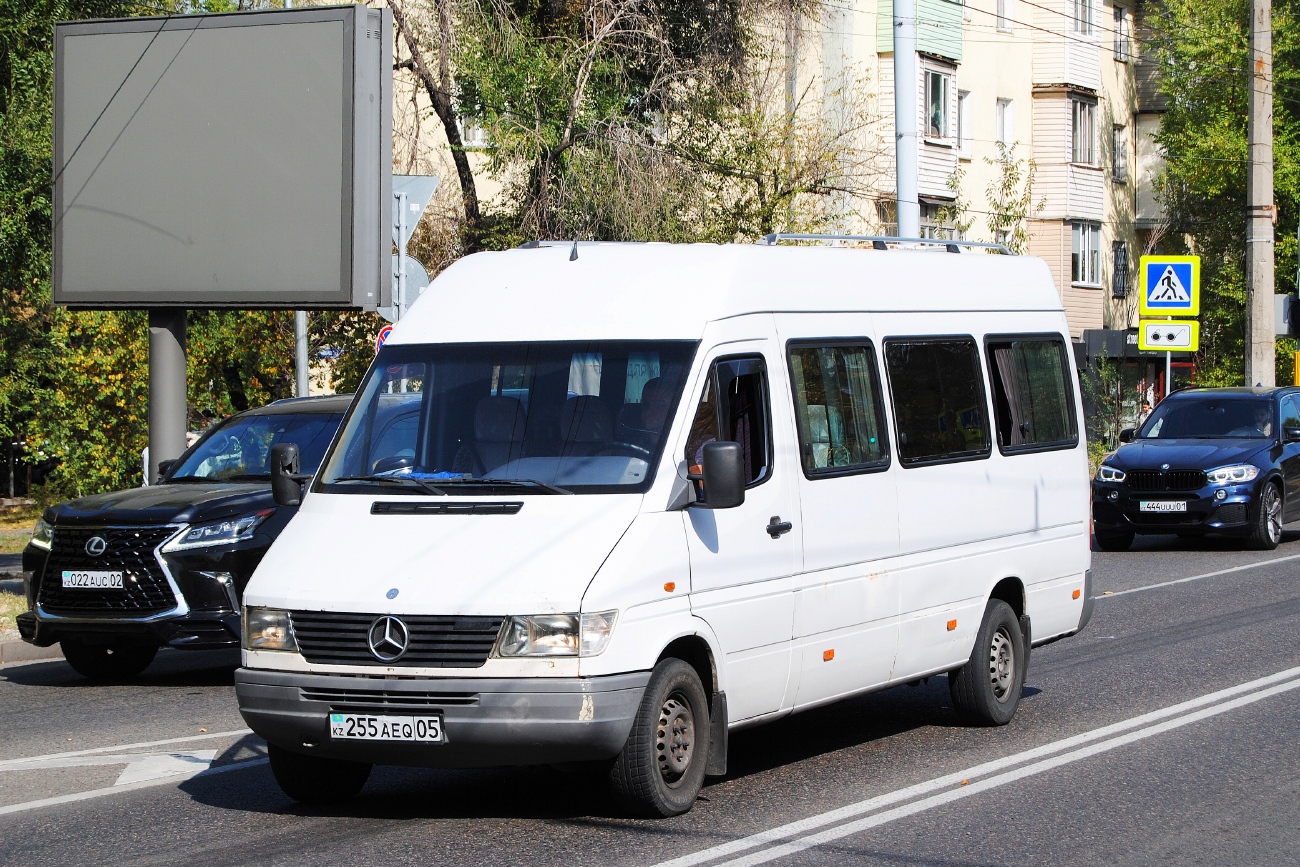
x=486, y=721
x=1117, y=508
x=196, y=630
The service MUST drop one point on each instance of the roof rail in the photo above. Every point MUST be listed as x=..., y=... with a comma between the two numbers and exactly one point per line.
x=881, y=242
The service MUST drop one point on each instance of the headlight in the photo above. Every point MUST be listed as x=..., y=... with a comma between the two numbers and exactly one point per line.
x=1233, y=475
x=556, y=634
x=1110, y=474
x=43, y=534
x=268, y=629
x=218, y=532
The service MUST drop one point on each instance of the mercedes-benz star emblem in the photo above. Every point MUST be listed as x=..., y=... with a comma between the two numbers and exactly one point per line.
x=389, y=638
x=95, y=546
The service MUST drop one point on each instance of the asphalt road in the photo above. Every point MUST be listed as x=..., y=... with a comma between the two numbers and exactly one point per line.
x=1168, y=732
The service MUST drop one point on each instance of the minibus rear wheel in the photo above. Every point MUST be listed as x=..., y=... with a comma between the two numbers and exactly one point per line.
x=661, y=769
x=316, y=779
x=986, y=690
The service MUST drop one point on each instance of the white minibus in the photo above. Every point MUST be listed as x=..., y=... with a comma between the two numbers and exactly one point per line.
x=604, y=503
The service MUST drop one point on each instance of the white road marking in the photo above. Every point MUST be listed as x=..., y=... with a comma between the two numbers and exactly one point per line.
x=186, y=758
x=167, y=766
x=1146, y=725
x=1111, y=594
x=6, y=763
x=129, y=787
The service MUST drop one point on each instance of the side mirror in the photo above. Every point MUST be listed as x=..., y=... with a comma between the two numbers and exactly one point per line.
x=396, y=462
x=1291, y=434
x=285, y=475
x=164, y=467
x=1127, y=435
x=723, y=474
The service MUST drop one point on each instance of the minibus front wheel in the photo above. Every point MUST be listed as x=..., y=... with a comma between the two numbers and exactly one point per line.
x=661, y=769
x=986, y=690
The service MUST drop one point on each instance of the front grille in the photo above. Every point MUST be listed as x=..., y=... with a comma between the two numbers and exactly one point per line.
x=1173, y=480
x=384, y=700
x=1231, y=513
x=436, y=642
x=145, y=589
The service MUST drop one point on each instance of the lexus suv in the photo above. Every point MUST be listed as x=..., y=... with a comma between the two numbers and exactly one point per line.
x=116, y=576
x=1207, y=460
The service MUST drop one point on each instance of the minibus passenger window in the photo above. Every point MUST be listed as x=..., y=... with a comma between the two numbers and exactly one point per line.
x=1031, y=401
x=938, y=396
x=837, y=408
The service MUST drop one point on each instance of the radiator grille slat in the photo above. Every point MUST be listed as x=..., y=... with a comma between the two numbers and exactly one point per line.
x=1171, y=480
x=130, y=550
x=435, y=641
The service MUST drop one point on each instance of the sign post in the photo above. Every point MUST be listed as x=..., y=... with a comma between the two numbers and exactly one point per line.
x=1171, y=287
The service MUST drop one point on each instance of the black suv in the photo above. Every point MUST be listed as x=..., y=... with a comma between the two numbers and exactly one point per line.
x=116, y=576
x=1207, y=460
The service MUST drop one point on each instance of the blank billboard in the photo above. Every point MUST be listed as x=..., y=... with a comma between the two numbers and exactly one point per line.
x=236, y=160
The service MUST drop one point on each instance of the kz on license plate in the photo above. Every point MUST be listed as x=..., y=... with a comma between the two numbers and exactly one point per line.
x=355, y=726
x=1163, y=506
x=83, y=580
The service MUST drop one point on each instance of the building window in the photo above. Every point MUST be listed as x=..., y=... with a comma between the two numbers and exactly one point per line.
x=1006, y=123
x=963, y=123
x=937, y=223
x=1085, y=256
x=1004, y=15
x=1119, y=280
x=1123, y=48
x=1119, y=155
x=936, y=103
x=1082, y=16
x=887, y=216
x=938, y=397
x=1084, y=131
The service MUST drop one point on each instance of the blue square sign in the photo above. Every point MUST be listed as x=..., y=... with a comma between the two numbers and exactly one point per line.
x=1170, y=286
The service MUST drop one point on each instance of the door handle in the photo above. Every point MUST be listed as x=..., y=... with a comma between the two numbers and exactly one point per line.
x=776, y=527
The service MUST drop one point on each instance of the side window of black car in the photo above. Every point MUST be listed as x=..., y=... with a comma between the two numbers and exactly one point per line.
x=1290, y=415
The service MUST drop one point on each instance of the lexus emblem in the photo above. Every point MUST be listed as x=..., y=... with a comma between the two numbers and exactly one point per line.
x=388, y=638
x=96, y=546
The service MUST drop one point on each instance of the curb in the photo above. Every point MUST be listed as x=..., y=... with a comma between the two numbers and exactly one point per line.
x=21, y=651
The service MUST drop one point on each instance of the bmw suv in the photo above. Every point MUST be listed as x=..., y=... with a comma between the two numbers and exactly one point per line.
x=1207, y=460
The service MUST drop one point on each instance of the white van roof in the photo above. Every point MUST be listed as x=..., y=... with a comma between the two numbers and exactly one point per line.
x=671, y=291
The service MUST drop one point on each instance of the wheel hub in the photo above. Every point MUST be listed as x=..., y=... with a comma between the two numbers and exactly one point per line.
x=1002, y=664
x=675, y=738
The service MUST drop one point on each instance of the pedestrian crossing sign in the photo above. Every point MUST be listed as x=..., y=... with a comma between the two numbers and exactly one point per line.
x=1171, y=286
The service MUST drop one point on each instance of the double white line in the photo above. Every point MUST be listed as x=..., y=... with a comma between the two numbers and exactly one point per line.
x=853, y=819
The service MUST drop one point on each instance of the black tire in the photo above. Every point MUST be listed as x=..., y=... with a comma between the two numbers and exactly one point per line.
x=661, y=769
x=1267, y=532
x=986, y=690
x=113, y=660
x=1113, y=540
x=316, y=779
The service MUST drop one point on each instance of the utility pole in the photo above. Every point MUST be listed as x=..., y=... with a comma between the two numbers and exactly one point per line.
x=1261, y=365
x=301, y=364
x=906, y=141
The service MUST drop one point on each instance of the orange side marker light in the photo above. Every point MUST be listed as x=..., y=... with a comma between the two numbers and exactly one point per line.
x=952, y=624
x=670, y=586
x=828, y=655
x=1076, y=594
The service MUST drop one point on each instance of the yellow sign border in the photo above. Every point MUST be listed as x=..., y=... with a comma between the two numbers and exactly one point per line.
x=1142, y=332
x=1194, y=289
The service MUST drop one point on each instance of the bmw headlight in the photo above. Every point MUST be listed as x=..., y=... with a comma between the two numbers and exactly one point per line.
x=218, y=532
x=556, y=634
x=43, y=534
x=1234, y=475
x=1106, y=473
x=268, y=629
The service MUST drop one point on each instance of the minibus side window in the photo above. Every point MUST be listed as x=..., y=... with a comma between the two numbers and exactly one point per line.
x=1031, y=397
x=734, y=402
x=837, y=408
x=938, y=395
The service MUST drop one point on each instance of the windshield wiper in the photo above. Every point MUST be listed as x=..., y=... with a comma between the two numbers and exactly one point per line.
x=507, y=483
x=405, y=481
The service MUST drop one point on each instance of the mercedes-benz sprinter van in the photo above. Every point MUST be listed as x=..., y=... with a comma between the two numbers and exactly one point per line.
x=647, y=495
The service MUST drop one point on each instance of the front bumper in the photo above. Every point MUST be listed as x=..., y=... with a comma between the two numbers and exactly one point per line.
x=1233, y=515
x=486, y=721
x=196, y=630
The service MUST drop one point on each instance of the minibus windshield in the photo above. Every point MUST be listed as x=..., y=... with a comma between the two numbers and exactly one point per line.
x=523, y=418
x=1210, y=418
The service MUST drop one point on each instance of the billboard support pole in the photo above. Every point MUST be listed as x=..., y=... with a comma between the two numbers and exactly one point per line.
x=167, y=387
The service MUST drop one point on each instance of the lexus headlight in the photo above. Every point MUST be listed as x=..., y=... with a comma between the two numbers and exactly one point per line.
x=268, y=629
x=556, y=634
x=1233, y=475
x=43, y=534
x=1107, y=473
x=219, y=532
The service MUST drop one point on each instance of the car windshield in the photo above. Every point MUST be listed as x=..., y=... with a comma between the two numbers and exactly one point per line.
x=1211, y=418
x=572, y=417
x=241, y=447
